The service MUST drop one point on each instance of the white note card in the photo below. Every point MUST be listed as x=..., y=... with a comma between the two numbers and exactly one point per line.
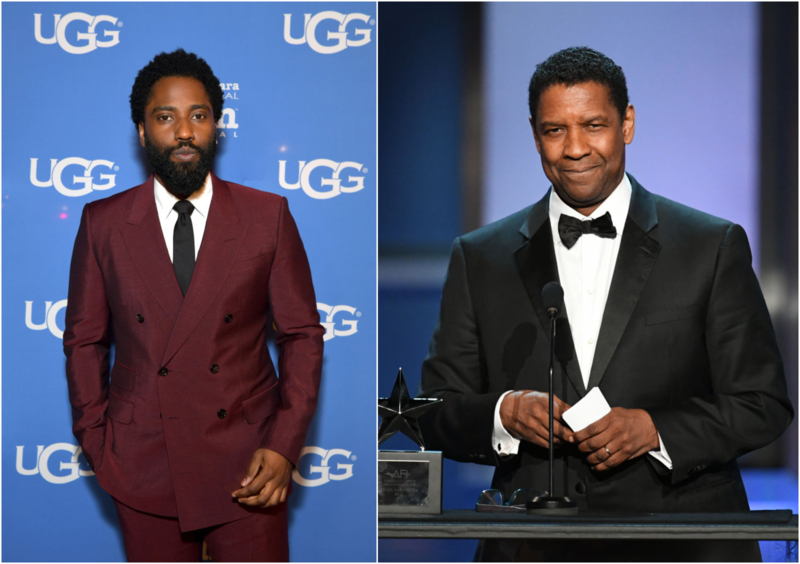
x=592, y=407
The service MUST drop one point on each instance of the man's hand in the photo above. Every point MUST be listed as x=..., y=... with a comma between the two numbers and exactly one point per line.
x=525, y=415
x=626, y=433
x=270, y=485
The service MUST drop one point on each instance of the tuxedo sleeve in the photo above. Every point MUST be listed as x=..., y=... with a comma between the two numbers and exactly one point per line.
x=299, y=339
x=87, y=341
x=454, y=370
x=748, y=406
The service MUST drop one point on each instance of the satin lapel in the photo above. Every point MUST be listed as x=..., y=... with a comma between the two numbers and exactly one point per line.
x=536, y=263
x=638, y=252
x=145, y=242
x=219, y=247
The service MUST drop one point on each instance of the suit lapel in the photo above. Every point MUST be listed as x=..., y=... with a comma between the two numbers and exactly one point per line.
x=145, y=242
x=638, y=252
x=536, y=263
x=218, y=250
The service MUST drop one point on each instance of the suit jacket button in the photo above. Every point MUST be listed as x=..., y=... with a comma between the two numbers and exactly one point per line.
x=139, y=318
x=163, y=372
x=228, y=318
x=222, y=413
x=214, y=368
x=580, y=487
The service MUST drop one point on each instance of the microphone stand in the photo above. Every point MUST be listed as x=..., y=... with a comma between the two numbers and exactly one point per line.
x=551, y=505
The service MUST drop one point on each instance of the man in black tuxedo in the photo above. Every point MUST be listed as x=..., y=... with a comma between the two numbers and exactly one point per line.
x=663, y=313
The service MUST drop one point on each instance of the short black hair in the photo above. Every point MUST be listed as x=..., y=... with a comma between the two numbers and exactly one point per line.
x=576, y=65
x=177, y=63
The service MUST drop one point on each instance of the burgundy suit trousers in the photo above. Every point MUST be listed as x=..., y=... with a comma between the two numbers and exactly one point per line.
x=261, y=537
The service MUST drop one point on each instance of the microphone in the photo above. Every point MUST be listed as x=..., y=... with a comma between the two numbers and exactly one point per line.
x=553, y=301
x=553, y=298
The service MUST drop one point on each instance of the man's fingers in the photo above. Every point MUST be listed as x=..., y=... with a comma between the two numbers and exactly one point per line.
x=274, y=476
x=601, y=455
x=271, y=495
x=562, y=431
x=598, y=456
x=541, y=403
x=254, y=501
x=275, y=498
x=253, y=488
x=255, y=485
x=252, y=469
x=559, y=407
x=530, y=429
x=597, y=441
x=622, y=432
x=525, y=414
x=589, y=445
x=544, y=442
x=263, y=496
x=540, y=435
x=595, y=428
x=588, y=432
x=615, y=459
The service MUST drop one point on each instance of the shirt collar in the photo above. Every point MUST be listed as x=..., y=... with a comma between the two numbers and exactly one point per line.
x=616, y=204
x=165, y=201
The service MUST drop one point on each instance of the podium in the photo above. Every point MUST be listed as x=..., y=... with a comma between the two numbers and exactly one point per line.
x=778, y=525
x=468, y=524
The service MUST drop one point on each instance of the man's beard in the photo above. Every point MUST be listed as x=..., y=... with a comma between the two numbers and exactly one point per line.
x=181, y=179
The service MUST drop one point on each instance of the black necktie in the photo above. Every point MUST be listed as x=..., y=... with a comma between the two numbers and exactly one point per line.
x=570, y=228
x=183, y=245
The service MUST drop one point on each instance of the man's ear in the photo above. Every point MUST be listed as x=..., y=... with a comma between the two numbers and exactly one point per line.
x=629, y=124
x=535, y=136
x=141, y=133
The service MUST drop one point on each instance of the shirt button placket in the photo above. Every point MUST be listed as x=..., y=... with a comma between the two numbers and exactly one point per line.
x=587, y=281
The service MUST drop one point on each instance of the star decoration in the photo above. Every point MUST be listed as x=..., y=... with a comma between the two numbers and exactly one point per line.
x=400, y=412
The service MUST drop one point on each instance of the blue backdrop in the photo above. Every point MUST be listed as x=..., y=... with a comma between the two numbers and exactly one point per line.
x=299, y=82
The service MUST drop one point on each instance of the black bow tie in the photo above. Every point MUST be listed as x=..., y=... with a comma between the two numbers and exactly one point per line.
x=570, y=228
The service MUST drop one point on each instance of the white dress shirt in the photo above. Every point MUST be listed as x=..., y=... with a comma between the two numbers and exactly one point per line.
x=585, y=272
x=168, y=216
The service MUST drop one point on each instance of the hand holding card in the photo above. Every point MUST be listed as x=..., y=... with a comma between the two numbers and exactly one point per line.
x=592, y=407
x=610, y=436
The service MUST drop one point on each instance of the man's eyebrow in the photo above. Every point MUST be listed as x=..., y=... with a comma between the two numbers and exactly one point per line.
x=551, y=124
x=173, y=108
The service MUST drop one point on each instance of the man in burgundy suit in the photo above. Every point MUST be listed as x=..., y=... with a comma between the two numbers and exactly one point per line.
x=195, y=437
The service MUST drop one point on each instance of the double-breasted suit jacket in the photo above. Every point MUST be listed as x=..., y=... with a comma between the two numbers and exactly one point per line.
x=193, y=392
x=685, y=335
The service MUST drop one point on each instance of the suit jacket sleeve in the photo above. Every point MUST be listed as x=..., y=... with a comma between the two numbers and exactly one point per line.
x=86, y=344
x=299, y=338
x=748, y=405
x=461, y=426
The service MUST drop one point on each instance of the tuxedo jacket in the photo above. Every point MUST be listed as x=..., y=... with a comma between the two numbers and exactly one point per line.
x=685, y=335
x=193, y=392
